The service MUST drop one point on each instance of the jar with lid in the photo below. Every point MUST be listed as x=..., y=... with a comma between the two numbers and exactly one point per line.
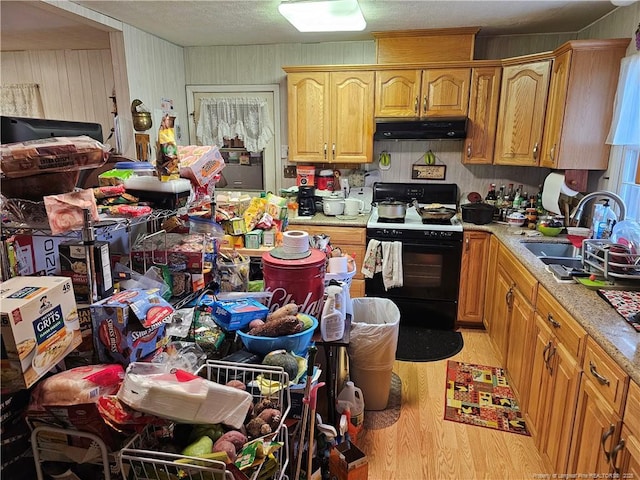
x=141, y=169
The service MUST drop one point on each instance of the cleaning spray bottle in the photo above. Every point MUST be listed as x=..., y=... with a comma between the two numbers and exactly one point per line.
x=332, y=319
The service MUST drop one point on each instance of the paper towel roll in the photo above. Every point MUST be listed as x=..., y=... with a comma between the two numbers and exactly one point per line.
x=295, y=241
x=553, y=186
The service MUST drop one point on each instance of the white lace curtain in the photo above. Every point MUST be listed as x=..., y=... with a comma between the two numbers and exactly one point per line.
x=21, y=100
x=625, y=126
x=246, y=118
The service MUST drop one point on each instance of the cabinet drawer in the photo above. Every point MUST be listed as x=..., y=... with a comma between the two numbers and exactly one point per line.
x=338, y=235
x=357, y=288
x=606, y=375
x=566, y=329
x=632, y=409
x=525, y=282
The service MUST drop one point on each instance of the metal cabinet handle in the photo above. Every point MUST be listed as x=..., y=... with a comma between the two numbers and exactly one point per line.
x=552, y=352
x=466, y=244
x=603, y=380
x=416, y=105
x=606, y=435
x=544, y=354
x=614, y=455
x=535, y=151
x=509, y=297
x=469, y=150
x=325, y=151
x=424, y=104
x=552, y=153
x=333, y=151
x=552, y=321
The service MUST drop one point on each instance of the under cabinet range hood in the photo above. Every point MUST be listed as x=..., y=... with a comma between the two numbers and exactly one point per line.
x=451, y=128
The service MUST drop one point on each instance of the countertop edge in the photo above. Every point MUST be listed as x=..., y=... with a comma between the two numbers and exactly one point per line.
x=599, y=319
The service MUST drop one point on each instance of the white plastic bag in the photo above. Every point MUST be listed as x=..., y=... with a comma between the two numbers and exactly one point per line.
x=374, y=333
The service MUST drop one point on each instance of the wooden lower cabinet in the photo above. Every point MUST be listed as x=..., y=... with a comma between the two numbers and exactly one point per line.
x=626, y=454
x=499, y=324
x=519, y=348
x=552, y=398
x=598, y=422
x=351, y=240
x=473, y=277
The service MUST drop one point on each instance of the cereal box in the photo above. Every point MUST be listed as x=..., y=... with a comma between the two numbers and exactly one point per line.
x=39, y=327
x=129, y=325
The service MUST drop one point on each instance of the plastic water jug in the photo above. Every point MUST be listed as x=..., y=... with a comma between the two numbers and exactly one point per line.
x=350, y=397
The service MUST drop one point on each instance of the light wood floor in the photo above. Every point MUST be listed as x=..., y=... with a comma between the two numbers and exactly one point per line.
x=421, y=445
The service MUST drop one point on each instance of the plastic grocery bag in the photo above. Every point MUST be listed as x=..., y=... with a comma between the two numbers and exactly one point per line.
x=374, y=333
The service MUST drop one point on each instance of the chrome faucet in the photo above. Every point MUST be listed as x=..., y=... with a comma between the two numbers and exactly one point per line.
x=575, y=216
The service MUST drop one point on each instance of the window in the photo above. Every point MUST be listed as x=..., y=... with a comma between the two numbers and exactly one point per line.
x=625, y=136
x=629, y=182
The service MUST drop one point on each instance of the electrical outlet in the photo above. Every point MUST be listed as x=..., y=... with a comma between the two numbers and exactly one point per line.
x=290, y=171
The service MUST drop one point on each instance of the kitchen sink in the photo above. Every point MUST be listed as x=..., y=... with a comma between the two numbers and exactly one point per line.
x=549, y=253
x=548, y=249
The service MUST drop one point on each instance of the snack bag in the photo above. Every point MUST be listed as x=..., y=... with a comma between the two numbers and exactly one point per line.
x=167, y=161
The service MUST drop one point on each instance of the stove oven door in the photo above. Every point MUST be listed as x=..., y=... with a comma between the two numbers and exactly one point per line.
x=431, y=277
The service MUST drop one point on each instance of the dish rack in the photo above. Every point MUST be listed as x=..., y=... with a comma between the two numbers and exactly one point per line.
x=140, y=459
x=610, y=260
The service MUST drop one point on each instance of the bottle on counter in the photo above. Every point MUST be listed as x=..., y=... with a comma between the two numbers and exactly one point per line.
x=491, y=195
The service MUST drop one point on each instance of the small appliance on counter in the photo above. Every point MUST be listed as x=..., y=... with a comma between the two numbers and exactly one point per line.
x=306, y=201
x=325, y=182
x=365, y=194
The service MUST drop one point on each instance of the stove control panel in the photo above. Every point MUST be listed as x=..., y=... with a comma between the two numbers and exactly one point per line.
x=404, y=234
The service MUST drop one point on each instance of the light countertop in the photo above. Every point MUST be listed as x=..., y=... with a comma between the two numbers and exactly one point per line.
x=597, y=316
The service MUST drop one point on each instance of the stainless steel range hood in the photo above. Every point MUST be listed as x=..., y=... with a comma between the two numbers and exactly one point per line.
x=451, y=128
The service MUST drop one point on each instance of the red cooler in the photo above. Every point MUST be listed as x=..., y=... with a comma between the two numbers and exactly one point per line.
x=297, y=280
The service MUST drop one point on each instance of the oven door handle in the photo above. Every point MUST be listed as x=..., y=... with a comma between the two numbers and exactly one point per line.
x=433, y=246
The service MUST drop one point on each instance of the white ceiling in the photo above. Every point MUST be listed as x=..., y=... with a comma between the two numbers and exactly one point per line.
x=246, y=22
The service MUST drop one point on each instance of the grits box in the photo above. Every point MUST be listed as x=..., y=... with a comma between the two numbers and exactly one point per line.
x=129, y=325
x=40, y=327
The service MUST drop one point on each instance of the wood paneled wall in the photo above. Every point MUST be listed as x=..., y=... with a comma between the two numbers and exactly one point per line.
x=74, y=84
x=155, y=70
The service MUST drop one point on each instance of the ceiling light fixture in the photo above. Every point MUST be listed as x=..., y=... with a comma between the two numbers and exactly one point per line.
x=324, y=15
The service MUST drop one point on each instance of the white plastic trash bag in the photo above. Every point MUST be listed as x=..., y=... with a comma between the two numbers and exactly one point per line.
x=374, y=333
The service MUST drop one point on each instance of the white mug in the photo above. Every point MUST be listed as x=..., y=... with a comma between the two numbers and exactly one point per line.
x=353, y=206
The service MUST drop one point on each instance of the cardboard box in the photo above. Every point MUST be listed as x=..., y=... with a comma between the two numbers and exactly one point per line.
x=348, y=462
x=252, y=239
x=73, y=264
x=39, y=327
x=236, y=314
x=129, y=325
x=200, y=163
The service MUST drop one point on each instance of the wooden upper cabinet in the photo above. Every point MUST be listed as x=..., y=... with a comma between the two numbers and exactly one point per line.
x=584, y=79
x=483, y=116
x=308, y=116
x=331, y=116
x=523, y=98
x=434, y=92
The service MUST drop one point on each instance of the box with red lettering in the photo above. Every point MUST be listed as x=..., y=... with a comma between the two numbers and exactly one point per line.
x=129, y=325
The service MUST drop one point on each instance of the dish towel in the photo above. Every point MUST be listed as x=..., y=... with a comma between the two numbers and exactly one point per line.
x=392, y=276
x=372, y=262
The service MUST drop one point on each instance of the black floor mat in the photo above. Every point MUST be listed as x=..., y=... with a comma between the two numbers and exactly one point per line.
x=419, y=344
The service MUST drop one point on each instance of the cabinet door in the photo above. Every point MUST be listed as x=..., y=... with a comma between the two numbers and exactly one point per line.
x=536, y=411
x=520, y=347
x=595, y=428
x=499, y=333
x=489, y=296
x=555, y=110
x=523, y=98
x=565, y=374
x=629, y=457
x=397, y=93
x=308, y=110
x=473, y=276
x=352, y=119
x=445, y=92
x=483, y=115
